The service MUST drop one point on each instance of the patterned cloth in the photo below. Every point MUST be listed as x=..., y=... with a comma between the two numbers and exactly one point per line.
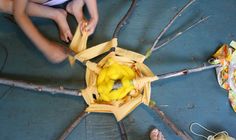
x=226, y=74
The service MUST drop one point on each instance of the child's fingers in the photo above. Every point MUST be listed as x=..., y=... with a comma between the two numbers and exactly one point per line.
x=90, y=31
x=70, y=36
x=91, y=27
x=64, y=38
x=67, y=37
x=88, y=27
x=83, y=25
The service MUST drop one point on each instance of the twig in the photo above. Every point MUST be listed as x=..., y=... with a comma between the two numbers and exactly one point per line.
x=168, y=40
x=170, y=23
x=124, y=19
x=122, y=131
x=73, y=125
x=39, y=88
x=168, y=75
x=186, y=71
x=169, y=123
x=168, y=26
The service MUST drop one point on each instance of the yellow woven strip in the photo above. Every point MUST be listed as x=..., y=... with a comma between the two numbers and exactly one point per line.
x=145, y=82
x=146, y=94
x=87, y=77
x=104, y=60
x=71, y=60
x=123, y=60
x=76, y=39
x=93, y=67
x=139, y=83
x=86, y=93
x=132, y=55
x=102, y=108
x=125, y=109
x=78, y=43
x=91, y=78
x=144, y=69
x=222, y=52
x=83, y=42
x=96, y=50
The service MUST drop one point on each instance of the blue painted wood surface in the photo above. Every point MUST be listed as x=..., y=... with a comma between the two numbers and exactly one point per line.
x=194, y=98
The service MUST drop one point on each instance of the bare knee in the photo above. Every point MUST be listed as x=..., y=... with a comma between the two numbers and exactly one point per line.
x=6, y=6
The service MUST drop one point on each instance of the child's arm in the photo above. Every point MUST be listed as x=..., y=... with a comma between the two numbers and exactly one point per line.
x=93, y=11
x=51, y=50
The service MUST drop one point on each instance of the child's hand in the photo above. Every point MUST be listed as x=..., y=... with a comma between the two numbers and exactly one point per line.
x=55, y=53
x=93, y=12
x=89, y=26
x=75, y=8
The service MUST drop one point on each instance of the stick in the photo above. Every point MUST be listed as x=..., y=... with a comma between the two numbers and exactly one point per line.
x=186, y=71
x=169, y=123
x=168, y=40
x=122, y=131
x=124, y=19
x=39, y=88
x=143, y=81
x=73, y=125
x=170, y=23
x=168, y=26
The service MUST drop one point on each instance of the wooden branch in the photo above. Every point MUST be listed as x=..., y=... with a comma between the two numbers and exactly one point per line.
x=168, y=26
x=73, y=125
x=168, y=40
x=124, y=19
x=39, y=88
x=186, y=71
x=170, y=23
x=169, y=123
x=167, y=75
x=123, y=133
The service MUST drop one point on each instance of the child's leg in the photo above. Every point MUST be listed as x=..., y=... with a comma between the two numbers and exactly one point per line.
x=37, y=10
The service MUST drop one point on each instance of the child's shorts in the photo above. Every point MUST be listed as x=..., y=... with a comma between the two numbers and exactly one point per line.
x=54, y=2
